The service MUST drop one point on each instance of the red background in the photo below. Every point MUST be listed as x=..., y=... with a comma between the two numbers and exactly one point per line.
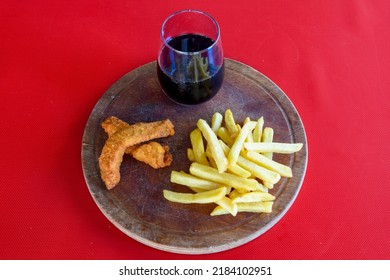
x=332, y=58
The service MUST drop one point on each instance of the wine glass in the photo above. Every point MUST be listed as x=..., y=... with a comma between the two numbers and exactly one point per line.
x=190, y=64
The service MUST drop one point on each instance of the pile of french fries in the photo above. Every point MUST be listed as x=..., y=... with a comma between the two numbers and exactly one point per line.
x=232, y=166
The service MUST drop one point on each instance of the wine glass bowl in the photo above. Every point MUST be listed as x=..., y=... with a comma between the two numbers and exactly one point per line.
x=190, y=64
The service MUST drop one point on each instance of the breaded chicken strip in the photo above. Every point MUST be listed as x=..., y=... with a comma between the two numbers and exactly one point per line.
x=154, y=154
x=145, y=152
x=112, y=153
x=112, y=124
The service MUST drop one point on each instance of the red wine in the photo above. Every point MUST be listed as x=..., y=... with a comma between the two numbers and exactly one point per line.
x=190, y=43
x=191, y=79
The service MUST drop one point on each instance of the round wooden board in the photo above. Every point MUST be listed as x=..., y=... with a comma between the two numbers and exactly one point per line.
x=137, y=206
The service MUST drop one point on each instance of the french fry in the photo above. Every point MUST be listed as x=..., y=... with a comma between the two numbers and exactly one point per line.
x=201, y=197
x=190, y=155
x=227, y=204
x=256, y=207
x=234, y=193
x=239, y=171
x=258, y=131
x=234, y=181
x=212, y=140
x=235, y=169
x=281, y=148
x=256, y=196
x=210, y=157
x=268, y=185
x=189, y=180
x=224, y=135
x=283, y=170
x=262, y=188
x=239, y=141
x=249, y=138
x=198, y=147
x=216, y=122
x=195, y=189
x=258, y=171
x=267, y=137
x=230, y=123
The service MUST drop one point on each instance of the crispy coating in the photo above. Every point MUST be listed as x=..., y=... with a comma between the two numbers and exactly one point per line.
x=113, y=150
x=154, y=154
x=111, y=125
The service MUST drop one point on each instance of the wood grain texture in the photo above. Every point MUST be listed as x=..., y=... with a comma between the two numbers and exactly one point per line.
x=136, y=205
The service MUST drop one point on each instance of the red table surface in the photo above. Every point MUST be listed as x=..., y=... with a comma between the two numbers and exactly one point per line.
x=332, y=59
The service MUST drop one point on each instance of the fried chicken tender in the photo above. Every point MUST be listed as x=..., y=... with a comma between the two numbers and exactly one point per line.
x=113, y=150
x=154, y=154
x=111, y=125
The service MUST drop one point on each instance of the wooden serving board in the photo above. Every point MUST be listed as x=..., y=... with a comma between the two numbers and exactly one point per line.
x=137, y=206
